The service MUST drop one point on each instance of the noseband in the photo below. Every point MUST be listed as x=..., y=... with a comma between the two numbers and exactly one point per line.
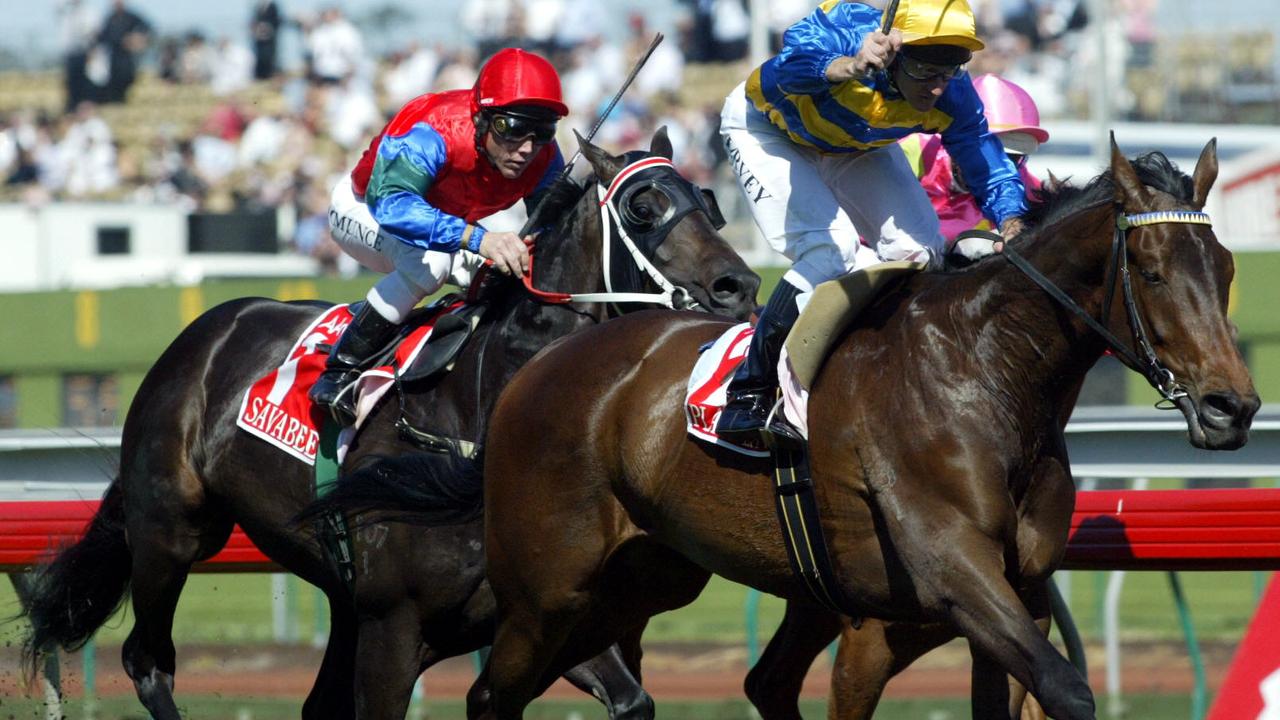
x=638, y=238
x=1161, y=378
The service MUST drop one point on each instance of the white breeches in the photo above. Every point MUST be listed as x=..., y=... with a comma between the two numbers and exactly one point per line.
x=412, y=272
x=812, y=206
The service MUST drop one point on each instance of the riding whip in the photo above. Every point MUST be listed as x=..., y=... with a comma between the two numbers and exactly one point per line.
x=635, y=70
x=889, y=15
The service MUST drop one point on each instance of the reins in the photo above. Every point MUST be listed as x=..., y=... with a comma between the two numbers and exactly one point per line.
x=1160, y=377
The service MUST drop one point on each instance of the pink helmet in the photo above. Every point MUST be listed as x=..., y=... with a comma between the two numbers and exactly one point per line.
x=1009, y=109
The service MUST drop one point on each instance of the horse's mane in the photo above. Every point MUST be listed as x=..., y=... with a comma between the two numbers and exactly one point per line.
x=1049, y=205
x=560, y=198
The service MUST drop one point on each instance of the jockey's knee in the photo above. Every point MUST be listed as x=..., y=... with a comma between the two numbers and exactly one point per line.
x=395, y=295
x=816, y=265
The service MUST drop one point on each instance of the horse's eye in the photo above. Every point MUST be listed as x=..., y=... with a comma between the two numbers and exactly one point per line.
x=1151, y=277
x=641, y=211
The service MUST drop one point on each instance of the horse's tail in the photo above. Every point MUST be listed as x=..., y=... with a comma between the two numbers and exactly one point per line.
x=82, y=587
x=430, y=489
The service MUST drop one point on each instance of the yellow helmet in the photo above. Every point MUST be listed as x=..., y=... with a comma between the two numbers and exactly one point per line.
x=937, y=22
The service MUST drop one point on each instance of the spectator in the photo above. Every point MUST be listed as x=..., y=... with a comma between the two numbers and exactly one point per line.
x=782, y=13
x=184, y=178
x=664, y=71
x=542, y=23
x=351, y=113
x=78, y=29
x=168, y=57
x=232, y=68
x=24, y=170
x=195, y=62
x=87, y=154
x=579, y=22
x=8, y=144
x=124, y=36
x=265, y=30
x=730, y=29
x=410, y=73
x=311, y=234
x=487, y=23
x=262, y=141
x=460, y=71
x=336, y=48
x=700, y=44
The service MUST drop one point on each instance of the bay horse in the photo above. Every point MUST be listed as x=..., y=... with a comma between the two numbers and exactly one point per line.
x=935, y=438
x=187, y=474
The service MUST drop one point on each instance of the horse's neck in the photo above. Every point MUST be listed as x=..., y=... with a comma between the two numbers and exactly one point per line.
x=1046, y=349
x=568, y=262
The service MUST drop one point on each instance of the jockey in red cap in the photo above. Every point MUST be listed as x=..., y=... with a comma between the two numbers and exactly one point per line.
x=411, y=205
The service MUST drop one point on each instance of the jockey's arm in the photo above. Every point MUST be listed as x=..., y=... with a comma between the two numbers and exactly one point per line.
x=405, y=169
x=988, y=172
x=821, y=42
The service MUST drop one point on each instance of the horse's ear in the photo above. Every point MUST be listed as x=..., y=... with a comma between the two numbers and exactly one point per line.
x=661, y=144
x=1128, y=186
x=605, y=165
x=1054, y=183
x=1206, y=172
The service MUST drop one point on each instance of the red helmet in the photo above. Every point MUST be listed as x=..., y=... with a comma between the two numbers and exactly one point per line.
x=517, y=77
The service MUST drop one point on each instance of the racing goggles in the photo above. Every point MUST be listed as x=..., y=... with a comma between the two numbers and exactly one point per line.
x=518, y=128
x=927, y=72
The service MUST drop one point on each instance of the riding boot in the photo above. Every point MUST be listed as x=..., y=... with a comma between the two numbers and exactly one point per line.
x=367, y=334
x=751, y=392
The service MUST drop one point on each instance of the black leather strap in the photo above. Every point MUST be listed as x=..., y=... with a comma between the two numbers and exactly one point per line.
x=802, y=528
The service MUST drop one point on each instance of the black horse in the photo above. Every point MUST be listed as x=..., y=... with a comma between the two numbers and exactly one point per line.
x=188, y=474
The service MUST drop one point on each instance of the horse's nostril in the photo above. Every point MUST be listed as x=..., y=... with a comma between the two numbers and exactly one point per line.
x=1220, y=408
x=726, y=286
x=736, y=286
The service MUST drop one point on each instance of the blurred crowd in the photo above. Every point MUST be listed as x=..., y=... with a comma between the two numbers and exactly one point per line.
x=251, y=154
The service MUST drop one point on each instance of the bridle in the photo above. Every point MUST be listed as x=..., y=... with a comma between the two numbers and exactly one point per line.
x=1141, y=356
x=615, y=214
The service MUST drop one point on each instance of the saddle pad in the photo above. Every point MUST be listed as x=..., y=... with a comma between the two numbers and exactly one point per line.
x=833, y=305
x=711, y=374
x=276, y=408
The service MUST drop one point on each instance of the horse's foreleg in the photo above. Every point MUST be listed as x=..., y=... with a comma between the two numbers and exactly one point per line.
x=1021, y=704
x=773, y=684
x=333, y=694
x=1004, y=638
x=959, y=574
x=608, y=677
x=389, y=657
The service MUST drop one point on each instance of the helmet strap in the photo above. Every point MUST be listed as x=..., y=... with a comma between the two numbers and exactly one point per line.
x=482, y=121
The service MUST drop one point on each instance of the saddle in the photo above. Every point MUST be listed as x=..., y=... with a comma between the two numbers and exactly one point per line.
x=832, y=307
x=449, y=334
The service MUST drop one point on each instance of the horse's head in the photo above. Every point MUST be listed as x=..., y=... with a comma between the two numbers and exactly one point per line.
x=1180, y=276
x=656, y=217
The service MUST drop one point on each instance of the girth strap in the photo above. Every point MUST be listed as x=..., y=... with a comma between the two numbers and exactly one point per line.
x=801, y=527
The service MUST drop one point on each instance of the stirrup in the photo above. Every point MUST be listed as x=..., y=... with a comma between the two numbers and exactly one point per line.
x=340, y=408
x=759, y=413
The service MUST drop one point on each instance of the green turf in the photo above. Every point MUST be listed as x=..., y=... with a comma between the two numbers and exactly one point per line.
x=236, y=609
